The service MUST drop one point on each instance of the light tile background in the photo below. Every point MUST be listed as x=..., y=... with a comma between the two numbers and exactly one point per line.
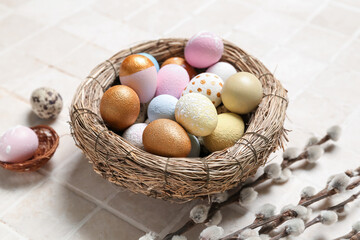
x=312, y=46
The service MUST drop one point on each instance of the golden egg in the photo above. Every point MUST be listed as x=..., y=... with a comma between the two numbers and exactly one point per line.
x=242, y=93
x=228, y=131
x=166, y=138
x=181, y=62
x=119, y=107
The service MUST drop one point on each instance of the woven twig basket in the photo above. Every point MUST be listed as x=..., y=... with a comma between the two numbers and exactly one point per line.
x=176, y=178
x=48, y=143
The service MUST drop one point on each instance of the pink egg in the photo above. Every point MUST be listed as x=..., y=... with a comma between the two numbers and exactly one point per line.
x=204, y=49
x=171, y=80
x=18, y=144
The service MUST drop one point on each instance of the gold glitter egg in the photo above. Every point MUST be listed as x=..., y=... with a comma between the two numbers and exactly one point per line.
x=166, y=138
x=119, y=107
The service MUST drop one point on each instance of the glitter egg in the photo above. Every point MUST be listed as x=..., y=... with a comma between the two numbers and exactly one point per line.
x=196, y=113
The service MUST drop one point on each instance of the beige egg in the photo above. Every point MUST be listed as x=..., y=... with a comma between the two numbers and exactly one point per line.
x=228, y=131
x=166, y=138
x=196, y=113
x=242, y=92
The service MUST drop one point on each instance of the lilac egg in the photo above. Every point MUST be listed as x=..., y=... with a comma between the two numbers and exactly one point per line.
x=18, y=144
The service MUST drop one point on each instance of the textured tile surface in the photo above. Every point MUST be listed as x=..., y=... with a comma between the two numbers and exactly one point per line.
x=104, y=225
x=312, y=47
x=50, y=205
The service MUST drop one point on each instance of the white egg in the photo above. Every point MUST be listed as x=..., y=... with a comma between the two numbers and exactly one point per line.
x=207, y=84
x=223, y=69
x=134, y=134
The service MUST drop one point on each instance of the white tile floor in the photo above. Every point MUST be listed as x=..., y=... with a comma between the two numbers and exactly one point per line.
x=313, y=46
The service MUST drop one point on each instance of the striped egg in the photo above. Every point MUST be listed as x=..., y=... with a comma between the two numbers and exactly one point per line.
x=207, y=84
x=139, y=73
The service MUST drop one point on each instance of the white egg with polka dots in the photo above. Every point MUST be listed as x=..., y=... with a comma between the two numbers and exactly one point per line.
x=207, y=84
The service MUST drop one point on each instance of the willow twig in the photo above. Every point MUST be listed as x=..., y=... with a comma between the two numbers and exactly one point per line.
x=214, y=207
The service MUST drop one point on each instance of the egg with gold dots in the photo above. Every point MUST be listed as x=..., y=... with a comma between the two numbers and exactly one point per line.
x=139, y=73
x=207, y=84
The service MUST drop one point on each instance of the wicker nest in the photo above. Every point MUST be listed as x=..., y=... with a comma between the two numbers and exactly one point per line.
x=180, y=179
x=48, y=142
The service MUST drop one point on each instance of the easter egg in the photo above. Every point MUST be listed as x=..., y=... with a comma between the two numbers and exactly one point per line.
x=18, y=144
x=223, y=69
x=154, y=61
x=172, y=79
x=196, y=113
x=181, y=62
x=46, y=103
x=242, y=92
x=119, y=107
x=162, y=106
x=204, y=49
x=195, y=147
x=207, y=84
x=134, y=134
x=139, y=73
x=166, y=138
x=229, y=129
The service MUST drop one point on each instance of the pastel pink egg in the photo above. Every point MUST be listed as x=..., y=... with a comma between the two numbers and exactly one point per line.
x=18, y=144
x=204, y=49
x=171, y=80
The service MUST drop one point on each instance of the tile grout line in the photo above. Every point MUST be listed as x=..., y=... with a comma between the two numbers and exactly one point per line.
x=203, y=7
x=305, y=23
x=20, y=199
x=102, y=204
x=13, y=231
x=42, y=29
x=184, y=211
x=188, y=18
x=139, y=10
x=347, y=43
x=86, y=218
x=332, y=60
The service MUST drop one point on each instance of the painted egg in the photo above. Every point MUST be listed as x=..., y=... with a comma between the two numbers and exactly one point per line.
x=195, y=146
x=154, y=61
x=196, y=113
x=162, y=106
x=46, y=103
x=181, y=62
x=18, y=144
x=204, y=49
x=207, y=84
x=228, y=131
x=119, y=107
x=172, y=79
x=134, y=134
x=242, y=92
x=139, y=73
x=223, y=69
x=166, y=138
x=143, y=113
